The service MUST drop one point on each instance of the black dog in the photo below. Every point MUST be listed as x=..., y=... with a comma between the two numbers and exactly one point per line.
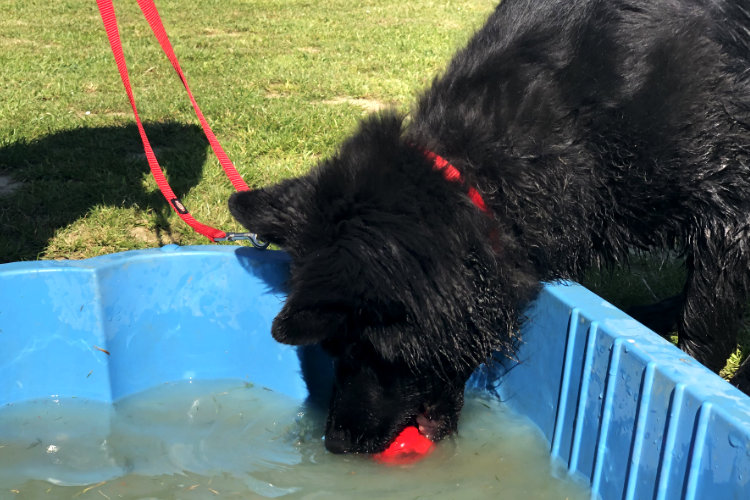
x=569, y=132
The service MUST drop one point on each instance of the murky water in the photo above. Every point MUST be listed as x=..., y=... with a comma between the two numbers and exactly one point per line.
x=235, y=440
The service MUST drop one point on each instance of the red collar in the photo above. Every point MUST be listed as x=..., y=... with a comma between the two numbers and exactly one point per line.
x=452, y=174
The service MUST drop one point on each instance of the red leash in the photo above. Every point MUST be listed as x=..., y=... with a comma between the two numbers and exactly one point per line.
x=107, y=11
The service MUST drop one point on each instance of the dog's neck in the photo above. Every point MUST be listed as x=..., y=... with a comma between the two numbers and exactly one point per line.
x=451, y=173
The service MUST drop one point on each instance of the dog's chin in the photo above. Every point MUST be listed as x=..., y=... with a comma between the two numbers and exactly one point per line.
x=340, y=441
x=434, y=428
x=431, y=428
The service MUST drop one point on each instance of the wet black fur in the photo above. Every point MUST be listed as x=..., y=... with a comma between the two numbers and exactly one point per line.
x=590, y=128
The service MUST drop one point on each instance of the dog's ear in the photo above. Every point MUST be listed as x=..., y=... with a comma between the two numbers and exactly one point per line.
x=306, y=326
x=276, y=213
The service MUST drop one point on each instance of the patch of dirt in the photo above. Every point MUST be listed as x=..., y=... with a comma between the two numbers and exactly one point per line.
x=369, y=105
x=230, y=33
x=149, y=237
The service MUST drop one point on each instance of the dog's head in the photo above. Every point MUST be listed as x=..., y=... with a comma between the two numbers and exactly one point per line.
x=390, y=276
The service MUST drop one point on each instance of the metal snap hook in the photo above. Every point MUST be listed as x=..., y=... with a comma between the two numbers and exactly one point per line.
x=251, y=237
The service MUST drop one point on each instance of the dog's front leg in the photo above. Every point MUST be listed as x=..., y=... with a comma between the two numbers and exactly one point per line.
x=661, y=317
x=715, y=293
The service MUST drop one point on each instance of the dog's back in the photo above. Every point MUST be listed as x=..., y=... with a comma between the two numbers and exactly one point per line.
x=595, y=127
x=638, y=101
x=629, y=110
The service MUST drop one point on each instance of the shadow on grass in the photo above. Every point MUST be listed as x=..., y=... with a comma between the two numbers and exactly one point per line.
x=59, y=178
x=650, y=278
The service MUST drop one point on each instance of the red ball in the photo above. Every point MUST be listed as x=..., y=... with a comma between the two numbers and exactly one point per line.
x=408, y=447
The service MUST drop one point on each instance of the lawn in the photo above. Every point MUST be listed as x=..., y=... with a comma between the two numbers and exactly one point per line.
x=281, y=82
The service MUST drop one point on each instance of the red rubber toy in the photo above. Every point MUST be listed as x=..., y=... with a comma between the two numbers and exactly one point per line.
x=408, y=447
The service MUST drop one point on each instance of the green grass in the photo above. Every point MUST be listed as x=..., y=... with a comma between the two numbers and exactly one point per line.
x=281, y=81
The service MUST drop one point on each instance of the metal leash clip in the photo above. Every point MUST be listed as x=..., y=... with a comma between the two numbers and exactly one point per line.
x=251, y=237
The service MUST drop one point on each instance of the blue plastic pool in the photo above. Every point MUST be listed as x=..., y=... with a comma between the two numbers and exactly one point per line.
x=621, y=408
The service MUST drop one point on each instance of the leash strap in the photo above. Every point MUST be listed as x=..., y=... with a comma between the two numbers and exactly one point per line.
x=107, y=11
x=154, y=20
